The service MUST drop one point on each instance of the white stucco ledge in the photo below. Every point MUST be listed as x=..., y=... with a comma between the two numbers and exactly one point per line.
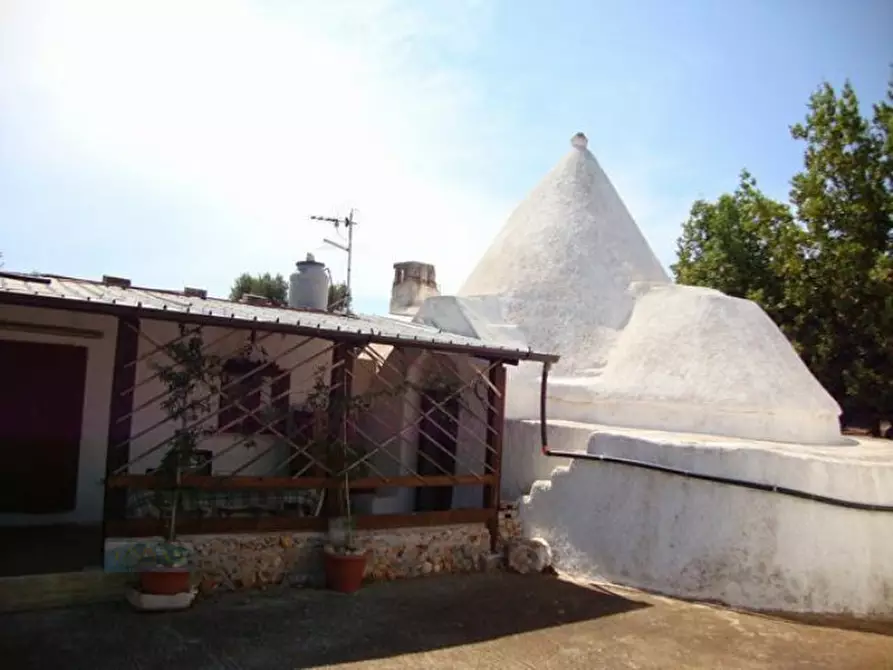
x=709, y=541
x=480, y=317
x=697, y=361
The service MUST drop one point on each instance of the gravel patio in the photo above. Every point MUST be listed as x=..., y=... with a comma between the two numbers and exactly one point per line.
x=478, y=621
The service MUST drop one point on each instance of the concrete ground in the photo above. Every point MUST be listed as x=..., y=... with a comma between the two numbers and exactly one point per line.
x=34, y=550
x=477, y=621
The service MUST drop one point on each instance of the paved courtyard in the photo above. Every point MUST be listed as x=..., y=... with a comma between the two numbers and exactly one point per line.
x=477, y=621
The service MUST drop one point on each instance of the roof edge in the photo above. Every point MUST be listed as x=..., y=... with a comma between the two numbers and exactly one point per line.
x=360, y=338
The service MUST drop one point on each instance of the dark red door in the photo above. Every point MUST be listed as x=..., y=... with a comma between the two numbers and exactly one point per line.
x=41, y=405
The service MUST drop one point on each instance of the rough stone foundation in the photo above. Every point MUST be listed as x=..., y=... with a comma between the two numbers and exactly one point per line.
x=509, y=525
x=245, y=561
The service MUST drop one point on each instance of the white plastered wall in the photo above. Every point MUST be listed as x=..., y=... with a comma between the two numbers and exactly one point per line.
x=694, y=360
x=400, y=412
x=149, y=427
x=570, y=273
x=97, y=398
x=710, y=541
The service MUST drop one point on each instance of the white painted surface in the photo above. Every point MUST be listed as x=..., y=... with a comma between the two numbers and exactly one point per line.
x=572, y=270
x=393, y=423
x=149, y=427
x=480, y=317
x=564, y=261
x=694, y=359
x=523, y=461
x=710, y=541
x=97, y=398
x=146, y=602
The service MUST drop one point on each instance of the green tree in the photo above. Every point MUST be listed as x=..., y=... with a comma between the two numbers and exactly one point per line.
x=274, y=288
x=339, y=297
x=844, y=293
x=822, y=267
x=744, y=244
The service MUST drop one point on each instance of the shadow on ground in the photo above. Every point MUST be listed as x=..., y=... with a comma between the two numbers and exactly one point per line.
x=34, y=550
x=289, y=628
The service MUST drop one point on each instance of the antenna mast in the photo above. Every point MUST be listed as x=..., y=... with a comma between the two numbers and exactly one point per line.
x=348, y=223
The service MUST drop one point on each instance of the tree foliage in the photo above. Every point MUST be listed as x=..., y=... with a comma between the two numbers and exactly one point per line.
x=741, y=245
x=822, y=267
x=339, y=297
x=274, y=288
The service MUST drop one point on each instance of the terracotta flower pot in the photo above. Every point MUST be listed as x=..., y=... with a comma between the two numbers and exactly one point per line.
x=164, y=581
x=344, y=572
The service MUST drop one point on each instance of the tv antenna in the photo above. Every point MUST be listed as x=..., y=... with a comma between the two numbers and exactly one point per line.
x=348, y=223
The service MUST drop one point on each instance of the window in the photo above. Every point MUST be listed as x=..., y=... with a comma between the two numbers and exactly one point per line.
x=253, y=397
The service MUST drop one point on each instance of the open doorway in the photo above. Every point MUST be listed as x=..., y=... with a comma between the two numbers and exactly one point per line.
x=438, y=433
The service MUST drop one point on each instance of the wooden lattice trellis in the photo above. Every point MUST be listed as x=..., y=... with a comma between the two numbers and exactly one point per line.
x=477, y=387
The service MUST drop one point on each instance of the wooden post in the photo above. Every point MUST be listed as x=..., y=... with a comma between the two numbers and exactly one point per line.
x=341, y=385
x=120, y=419
x=496, y=425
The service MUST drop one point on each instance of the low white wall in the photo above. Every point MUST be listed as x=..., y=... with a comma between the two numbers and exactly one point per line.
x=523, y=461
x=588, y=400
x=97, y=398
x=711, y=541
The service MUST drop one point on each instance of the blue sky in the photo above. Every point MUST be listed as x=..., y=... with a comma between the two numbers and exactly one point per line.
x=182, y=143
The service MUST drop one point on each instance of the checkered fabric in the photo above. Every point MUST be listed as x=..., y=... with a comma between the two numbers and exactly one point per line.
x=145, y=504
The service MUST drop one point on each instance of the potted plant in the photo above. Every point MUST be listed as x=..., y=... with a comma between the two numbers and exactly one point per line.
x=344, y=561
x=165, y=571
x=190, y=378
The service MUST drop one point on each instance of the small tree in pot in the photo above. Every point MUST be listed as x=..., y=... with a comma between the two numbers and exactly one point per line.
x=344, y=559
x=191, y=379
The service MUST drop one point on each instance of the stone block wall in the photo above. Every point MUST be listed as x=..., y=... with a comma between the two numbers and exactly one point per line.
x=509, y=525
x=245, y=561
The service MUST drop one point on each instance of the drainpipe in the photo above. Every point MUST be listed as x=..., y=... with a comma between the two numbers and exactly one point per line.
x=654, y=467
x=544, y=428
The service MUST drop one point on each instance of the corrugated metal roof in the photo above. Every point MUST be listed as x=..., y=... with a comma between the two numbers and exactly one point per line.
x=94, y=296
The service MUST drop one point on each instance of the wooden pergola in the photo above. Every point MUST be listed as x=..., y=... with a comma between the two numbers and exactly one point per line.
x=480, y=394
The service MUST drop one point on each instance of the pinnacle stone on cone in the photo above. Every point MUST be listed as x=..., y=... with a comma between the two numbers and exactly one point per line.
x=573, y=272
x=565, y=260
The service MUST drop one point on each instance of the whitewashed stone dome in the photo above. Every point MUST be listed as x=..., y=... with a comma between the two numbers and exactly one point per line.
x=564, y=262
x=573, y=271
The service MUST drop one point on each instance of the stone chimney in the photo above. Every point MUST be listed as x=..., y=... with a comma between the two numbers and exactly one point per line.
x=413, y=283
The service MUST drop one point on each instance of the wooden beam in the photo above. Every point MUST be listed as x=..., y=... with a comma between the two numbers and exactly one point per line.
x=243, y=482
x=218, y=482
x=259, y=524
x=421, y=519
x=44, y=329
x=496, y=423
x=295, y=524
x=340, y=394
x=121, y=412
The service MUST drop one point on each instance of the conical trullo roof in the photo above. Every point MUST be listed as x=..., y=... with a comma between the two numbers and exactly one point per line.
x=573, y=274
x=565, y=260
